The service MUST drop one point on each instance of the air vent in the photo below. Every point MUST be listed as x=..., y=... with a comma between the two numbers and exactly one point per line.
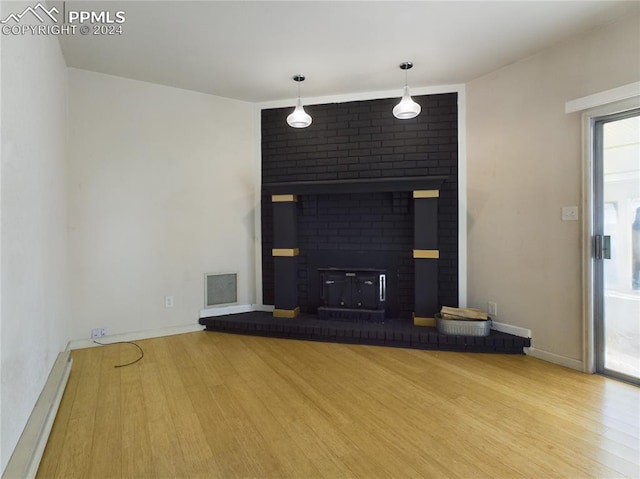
x=220, y=289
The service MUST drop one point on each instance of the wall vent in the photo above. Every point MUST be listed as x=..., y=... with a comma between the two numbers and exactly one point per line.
x=220, y=289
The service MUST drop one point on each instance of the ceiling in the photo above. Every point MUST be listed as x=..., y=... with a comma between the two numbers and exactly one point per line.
x=250, y=50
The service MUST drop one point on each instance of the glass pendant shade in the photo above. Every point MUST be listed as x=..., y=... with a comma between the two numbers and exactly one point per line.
x=407, y=108
x=299, y=118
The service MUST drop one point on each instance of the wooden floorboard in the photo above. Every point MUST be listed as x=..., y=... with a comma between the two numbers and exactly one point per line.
x=216, y=405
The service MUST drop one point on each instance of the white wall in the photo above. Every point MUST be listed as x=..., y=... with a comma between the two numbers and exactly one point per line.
x=161, y=190
x=33, y=313
x=524, y=164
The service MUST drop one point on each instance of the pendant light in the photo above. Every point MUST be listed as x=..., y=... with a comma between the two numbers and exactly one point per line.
x=299, y=118
x=407, y=108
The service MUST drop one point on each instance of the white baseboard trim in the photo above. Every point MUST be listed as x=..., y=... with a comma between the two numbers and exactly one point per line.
x=235, y=309
x=264, y=307
x=510, y=329
x=26, y=457
x=148, y=334
x=224, y=310
x=555, y=358
x=538, y=353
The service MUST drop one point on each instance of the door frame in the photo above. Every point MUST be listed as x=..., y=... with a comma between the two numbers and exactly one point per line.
x=598, y=301
x=589, y=286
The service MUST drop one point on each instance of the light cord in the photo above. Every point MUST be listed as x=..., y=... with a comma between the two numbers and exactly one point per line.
x=124, y=342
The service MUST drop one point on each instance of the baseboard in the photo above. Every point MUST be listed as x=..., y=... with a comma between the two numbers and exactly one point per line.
x=263, y=307
x=224, y=310
x=538, y=353
x=26, y=457
x=148, y=334
x=235, y=309
x=555, y=358
x=510, y=329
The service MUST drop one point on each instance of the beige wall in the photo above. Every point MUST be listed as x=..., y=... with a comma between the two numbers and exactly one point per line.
x=34, y=322
x=161, y=191
x=524, y=163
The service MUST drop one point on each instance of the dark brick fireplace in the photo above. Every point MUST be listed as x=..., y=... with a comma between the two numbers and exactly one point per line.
x=313, y=224
x=360, y=189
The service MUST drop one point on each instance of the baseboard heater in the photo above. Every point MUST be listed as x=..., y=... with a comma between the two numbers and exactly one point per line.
x=26, y=456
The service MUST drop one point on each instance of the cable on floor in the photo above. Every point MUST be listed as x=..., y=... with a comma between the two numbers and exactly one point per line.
x=124, y=342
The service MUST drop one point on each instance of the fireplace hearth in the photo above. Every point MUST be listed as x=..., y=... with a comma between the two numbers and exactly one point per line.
x=392, y=333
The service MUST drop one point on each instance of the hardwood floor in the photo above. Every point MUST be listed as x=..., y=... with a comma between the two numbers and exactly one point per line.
x=217, y=405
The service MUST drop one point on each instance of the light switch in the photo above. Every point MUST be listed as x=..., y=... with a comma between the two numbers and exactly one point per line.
x=168, y=301
x=569, y=213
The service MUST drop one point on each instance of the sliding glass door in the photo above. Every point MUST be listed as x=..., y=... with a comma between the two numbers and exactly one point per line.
x=617, y=244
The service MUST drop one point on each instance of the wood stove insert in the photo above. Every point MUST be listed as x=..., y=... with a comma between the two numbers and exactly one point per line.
x=352, y=294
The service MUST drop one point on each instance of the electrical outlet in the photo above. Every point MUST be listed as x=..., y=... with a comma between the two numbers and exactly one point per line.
x=99, y=332
x=569, y=213
x=493, y=309
x=168, y=301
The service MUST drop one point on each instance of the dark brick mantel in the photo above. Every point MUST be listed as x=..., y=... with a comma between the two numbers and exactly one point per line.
x=364, y=185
